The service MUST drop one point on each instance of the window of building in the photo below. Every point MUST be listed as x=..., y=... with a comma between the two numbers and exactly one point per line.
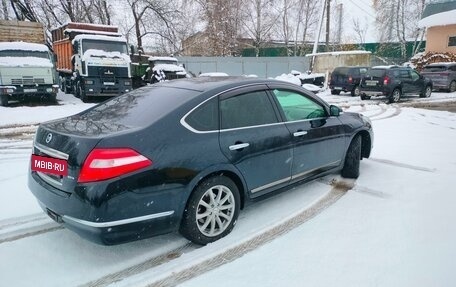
x=452, y=41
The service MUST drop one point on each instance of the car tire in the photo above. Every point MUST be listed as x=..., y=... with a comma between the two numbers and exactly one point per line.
x=335, y=92
x=427, y=92
x=4, y=100
x=352, y=159
x=395, y=96
x=364, y=97
x=355, y=92
x=211, y=211
x=452, y=87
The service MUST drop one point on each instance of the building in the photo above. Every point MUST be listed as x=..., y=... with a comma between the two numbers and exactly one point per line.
x=439, y=19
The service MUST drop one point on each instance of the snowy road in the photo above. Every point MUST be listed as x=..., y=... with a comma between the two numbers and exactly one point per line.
x=398, y=179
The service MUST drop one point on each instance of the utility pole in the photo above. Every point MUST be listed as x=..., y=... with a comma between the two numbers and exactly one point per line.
x=328, y=21
x=340, y=9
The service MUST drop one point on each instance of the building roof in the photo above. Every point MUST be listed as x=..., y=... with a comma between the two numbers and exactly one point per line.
x=439, y=13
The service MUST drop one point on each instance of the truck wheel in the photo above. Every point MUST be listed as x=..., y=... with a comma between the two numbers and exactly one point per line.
x=4, y=100
x=81, y=93
x=52, y=98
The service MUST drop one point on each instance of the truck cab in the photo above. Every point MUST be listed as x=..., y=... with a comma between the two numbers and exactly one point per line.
x=164, y=68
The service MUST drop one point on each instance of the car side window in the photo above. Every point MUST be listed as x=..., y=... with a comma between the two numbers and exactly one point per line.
x=453, y=68
x=414, y=75
x=249, y=109
x=297, y=106
x=205, y=117
x=404, y=74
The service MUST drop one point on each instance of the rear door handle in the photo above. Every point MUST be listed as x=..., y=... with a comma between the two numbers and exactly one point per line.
x=238, y=146
x=299, y=133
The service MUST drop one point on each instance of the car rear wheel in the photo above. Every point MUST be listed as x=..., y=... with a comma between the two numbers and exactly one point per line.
x=365, y=97
x=427, y=92
x=211, y=211
x=452, y=86
x=352, y=159
x=395, y=96
x=355, y=92
x=335, y=92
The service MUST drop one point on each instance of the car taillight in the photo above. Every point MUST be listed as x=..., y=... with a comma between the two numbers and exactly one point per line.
x=386, y=80
x=103, y=164
x=350, y=79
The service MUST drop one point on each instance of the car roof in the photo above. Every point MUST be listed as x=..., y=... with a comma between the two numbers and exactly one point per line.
x=441, y=64
x=202, y=84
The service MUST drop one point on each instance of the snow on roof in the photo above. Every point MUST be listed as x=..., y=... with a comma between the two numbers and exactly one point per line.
x=153, y=58
x=92, y=25
x=384, y=67
x=311, y=87
x=337, y=53
x=310, y=76
x=213, y=74
x=168, y=68
x=439, y=19
x=23, y=46
x=103, y=54
x=99, y=37
x=93, y=32
x=25, y=62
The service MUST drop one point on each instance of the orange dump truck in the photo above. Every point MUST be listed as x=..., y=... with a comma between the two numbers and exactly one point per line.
x=92, y=60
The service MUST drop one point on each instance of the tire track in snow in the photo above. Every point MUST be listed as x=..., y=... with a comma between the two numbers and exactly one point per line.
x=404, y=165
x=21, y=227
x=173, y=278
x=397, y=111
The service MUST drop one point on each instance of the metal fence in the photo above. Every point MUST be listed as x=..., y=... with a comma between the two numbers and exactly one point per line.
x=263, y=67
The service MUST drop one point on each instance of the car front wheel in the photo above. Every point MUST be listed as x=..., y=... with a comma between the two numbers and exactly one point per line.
x=452, y=86
x=355, y=91
x=352, y=159
x=211, y=211
x=427, y=92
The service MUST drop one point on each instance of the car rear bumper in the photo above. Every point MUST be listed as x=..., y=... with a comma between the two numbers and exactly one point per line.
x=110, y=220
x=342, y=87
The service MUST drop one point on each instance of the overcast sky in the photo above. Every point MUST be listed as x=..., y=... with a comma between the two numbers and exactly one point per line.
x=357, y=9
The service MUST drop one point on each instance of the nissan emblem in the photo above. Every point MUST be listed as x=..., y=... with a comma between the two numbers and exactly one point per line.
x=48, y=138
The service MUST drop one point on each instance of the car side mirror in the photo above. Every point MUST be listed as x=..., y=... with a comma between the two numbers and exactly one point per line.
x=334, y=111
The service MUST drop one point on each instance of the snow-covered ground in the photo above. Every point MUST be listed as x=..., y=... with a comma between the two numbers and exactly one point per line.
x=392, y=228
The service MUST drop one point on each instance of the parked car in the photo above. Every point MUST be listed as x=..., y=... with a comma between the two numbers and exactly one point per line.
x=393, y=82
x=443, y=75
x=346, y=79
x=187, y=155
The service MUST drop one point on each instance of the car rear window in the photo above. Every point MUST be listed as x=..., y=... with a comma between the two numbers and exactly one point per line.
x=140, y=107
x=435, y=68
x=341, y=71
x=376, y=73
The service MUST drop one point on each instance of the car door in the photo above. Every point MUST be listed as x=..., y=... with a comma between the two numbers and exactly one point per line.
x=318, y=139
x=417, y=82
x=406, y=80
x=254, y=140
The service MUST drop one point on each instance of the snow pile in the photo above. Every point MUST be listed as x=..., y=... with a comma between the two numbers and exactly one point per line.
x=168, y=68
x=103, y=54
x=213, y=74
x=99, y=37
x=289, y=78
x=168, y=59
x=25, y=62
x=311, y=87
x=23, y=46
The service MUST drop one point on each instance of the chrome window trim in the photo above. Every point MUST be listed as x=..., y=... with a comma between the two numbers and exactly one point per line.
x=298, y=175
x=263, y=187
x=118, y=222
x=52, y=152
x=190, y=128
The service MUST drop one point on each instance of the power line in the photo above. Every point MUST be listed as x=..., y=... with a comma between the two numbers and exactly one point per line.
x=368, y=13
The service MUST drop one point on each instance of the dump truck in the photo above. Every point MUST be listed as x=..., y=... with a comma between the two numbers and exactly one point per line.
x=92, y=60
x=26, y=63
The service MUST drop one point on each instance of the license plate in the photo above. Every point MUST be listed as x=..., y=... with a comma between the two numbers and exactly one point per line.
x=109, y=83
x=337, y=88
x=49, y=165
x=30, y=90
x=371, y=83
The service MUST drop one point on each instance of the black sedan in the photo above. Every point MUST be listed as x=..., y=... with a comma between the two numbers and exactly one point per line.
x=187, y=155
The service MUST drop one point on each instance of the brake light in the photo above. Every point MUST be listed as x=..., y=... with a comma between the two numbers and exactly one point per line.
x=386, y=80
x=102, y=164
x=350, y=79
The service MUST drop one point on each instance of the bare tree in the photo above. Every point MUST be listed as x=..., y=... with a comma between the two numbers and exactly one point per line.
x=360, y=31
x=306, y=17
x=5, y=10
x=259, y=22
